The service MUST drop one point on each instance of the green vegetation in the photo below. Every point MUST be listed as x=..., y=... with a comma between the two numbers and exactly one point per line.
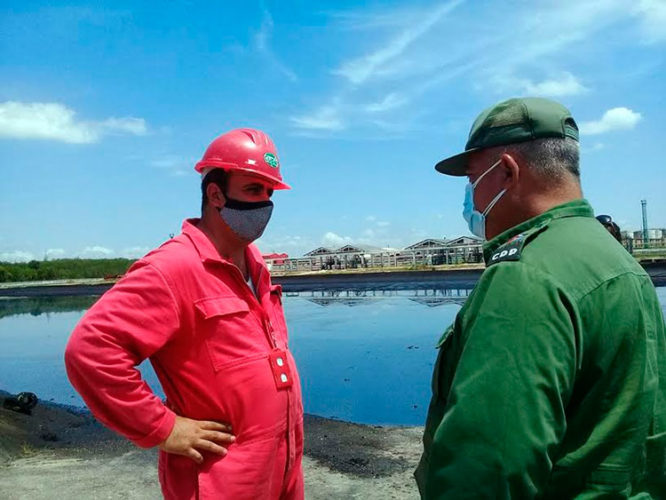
x=63, y=269
x=27, y=450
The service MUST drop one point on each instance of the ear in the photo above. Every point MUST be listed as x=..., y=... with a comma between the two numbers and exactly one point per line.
x=512, y=170
x=215, y=195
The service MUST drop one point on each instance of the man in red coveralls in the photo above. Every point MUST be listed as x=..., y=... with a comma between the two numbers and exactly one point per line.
x=203, y=309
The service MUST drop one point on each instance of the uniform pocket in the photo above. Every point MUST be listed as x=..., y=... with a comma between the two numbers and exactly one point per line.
x=221, y=306
x=178, y=476
x=233, y=335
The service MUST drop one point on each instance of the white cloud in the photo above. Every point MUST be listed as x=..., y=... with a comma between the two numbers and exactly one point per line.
x=134, y=252
x=96, y=252
x=652, y=14
x=416, y=49
x=566, y=85
x=391, y=101
x=134, y=126
x=331, y=239
x=371, y=218
x=378, y=232
x=43, y=121
x=262, y=44
x=613, y=119
x=325, y=118
x=16, y=256
x=359, y=70
x=293, y=245
x=55, y=253
x=54, y=121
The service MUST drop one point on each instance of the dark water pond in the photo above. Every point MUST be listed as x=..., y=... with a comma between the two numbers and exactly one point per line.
x=364, y=356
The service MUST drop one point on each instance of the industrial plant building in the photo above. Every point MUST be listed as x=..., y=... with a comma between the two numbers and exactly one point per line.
x=428, y=252
x=433, y=251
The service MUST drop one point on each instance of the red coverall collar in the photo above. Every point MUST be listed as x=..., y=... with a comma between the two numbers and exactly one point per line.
x=208, y=253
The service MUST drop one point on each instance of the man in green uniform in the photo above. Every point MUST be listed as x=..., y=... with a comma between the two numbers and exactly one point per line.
x=551, y=382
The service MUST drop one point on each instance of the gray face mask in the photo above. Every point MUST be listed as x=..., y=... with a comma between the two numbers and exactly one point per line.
x=245, y=218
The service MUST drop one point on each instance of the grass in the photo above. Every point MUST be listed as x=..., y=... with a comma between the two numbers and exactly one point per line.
x=27, y=450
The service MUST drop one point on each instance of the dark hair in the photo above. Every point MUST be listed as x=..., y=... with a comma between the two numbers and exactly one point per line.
x=611, y=226
x=551, y=157
x=219, y=177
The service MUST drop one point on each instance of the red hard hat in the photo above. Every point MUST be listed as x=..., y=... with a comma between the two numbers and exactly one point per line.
x=246, y=150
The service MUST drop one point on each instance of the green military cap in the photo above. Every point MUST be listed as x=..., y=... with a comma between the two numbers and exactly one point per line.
x=511, y=121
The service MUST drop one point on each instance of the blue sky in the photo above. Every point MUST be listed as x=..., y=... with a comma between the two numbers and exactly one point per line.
x=106, y=106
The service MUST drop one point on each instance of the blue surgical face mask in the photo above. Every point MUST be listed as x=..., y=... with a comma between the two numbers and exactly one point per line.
x=475, y=219
x=247, y=219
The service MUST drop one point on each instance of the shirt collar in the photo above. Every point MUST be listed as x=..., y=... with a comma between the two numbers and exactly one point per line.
x=208, y=253
x=576, y=208
x=201, y=242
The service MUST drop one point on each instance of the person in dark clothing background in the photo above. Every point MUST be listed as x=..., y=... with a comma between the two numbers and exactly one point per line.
x=611, y=226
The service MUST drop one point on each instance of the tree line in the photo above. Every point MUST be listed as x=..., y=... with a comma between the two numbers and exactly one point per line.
x=57, y=269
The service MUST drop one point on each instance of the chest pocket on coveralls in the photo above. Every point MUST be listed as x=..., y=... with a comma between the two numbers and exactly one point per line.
x=229, y=331
x=442, y=373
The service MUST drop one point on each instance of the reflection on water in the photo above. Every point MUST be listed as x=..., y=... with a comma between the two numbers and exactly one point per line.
x=430, y=297
x=367, y=357
x=363, y=355
x=43, y=305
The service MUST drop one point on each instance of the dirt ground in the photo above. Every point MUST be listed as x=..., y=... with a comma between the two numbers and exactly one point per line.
x=61, y=453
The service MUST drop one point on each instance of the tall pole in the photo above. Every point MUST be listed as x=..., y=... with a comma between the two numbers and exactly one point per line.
x=646, y=241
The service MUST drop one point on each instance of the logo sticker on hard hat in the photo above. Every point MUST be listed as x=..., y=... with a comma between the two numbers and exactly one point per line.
x=272, y=160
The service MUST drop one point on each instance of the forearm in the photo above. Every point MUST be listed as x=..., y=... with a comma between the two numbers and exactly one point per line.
x=130, y=323
x=105, y=376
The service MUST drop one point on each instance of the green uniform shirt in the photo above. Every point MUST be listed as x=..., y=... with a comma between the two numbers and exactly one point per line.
x=551, y=381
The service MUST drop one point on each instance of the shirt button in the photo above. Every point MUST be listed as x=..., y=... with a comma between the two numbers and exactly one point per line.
x=280, y=362
x=283, y=377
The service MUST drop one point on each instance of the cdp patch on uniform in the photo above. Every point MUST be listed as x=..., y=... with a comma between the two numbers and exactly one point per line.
x=509, y=251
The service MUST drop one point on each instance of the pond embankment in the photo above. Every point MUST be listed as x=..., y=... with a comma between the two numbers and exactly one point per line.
x=63, y=452
x=453, y=277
